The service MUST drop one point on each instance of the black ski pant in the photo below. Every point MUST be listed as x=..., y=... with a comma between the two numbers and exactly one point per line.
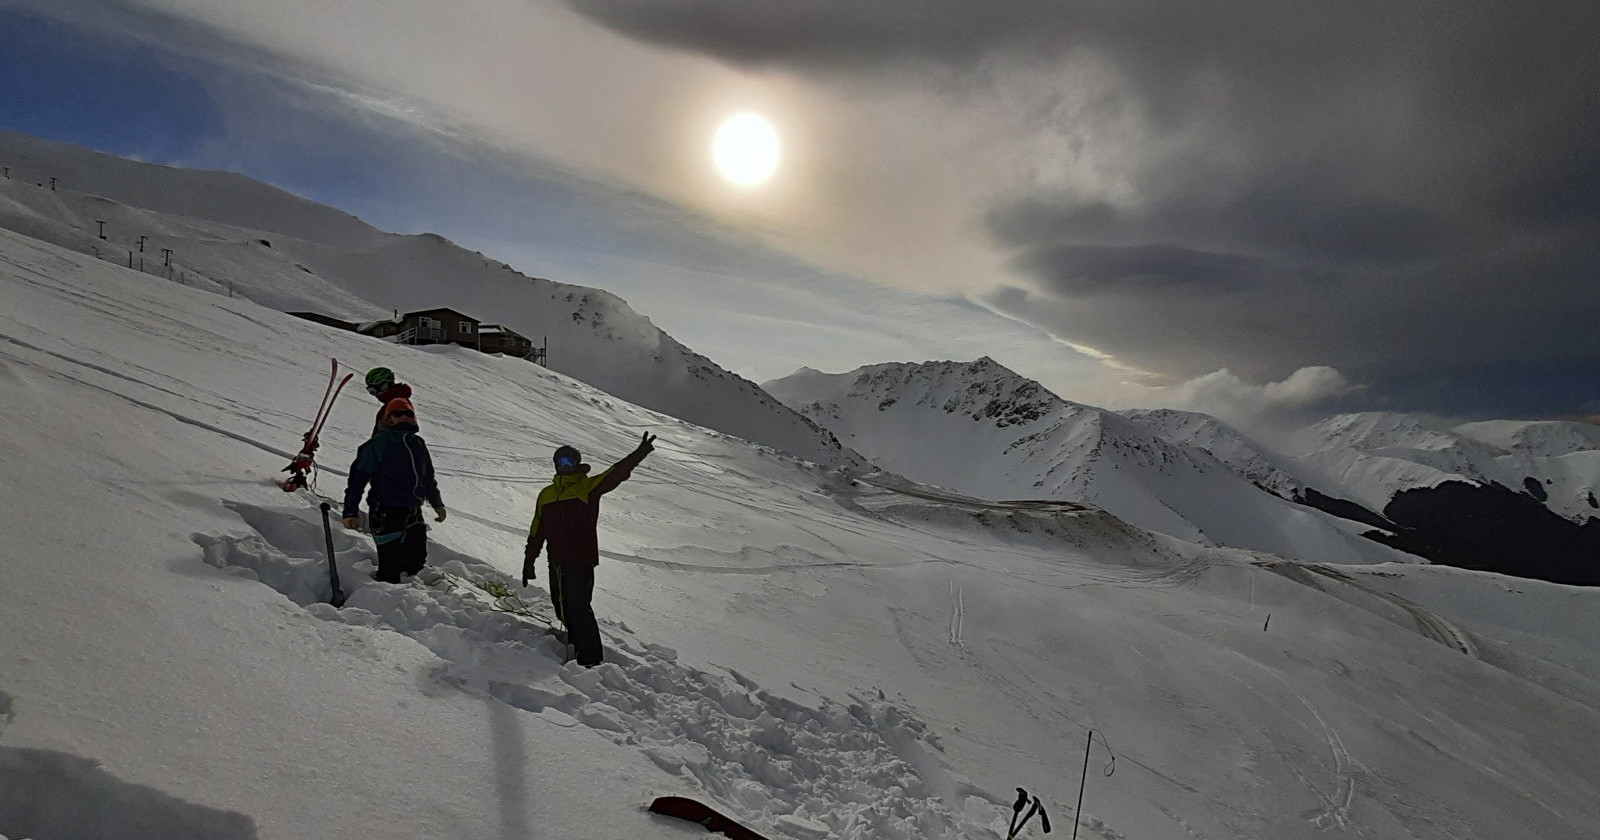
x=571, y=590
x=402, y=538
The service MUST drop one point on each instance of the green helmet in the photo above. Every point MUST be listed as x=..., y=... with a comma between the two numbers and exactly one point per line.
x=379, y=376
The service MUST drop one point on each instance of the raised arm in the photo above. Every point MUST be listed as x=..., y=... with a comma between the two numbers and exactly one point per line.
x=620, y=471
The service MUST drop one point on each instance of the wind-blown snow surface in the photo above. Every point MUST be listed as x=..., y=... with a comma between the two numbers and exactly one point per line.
x=981, y=429
x=815, y=656
x=230, y=233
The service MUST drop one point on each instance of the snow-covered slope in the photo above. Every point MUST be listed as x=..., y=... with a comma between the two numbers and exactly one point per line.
x=819, y=657
x=1374, y=454
x=1542, y=438
x=230, y=233
x=222, y=197
x=1371, y=456
x=981, y=429
x=1223, y=442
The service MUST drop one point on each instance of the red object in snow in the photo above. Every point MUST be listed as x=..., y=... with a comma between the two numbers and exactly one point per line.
x=698, y=812
x=301, y=466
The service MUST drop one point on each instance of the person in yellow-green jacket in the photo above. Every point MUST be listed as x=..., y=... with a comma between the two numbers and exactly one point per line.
x=566, y=519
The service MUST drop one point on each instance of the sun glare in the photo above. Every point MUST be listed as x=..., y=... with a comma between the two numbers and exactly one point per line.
x=746, y=149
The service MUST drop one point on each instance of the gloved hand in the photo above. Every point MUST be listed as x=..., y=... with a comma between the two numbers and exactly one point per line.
x=352, y=522
x=647, y=444
x=530, y=565
x=438, y=514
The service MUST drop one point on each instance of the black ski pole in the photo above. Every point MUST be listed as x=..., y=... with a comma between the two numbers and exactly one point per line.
x=1077, y=815
x=333, y=567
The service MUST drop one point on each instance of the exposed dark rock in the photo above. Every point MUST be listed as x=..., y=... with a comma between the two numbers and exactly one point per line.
x=1342, y=508
x=1494, y=528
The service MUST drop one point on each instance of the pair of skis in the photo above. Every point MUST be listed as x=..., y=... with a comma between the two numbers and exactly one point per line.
x=300, y=468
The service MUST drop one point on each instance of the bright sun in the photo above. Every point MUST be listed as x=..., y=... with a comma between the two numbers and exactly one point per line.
x=746, y=149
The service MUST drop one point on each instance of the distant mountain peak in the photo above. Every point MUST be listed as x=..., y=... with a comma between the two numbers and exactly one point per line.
x=980, y=428
x=983, y=389
x=1225, y=443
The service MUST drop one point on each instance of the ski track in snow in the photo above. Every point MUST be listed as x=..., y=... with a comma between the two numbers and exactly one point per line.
x=1335, y=810
x=864, y=768
x=177, y=416
x=1429, y=624
x=741, y=570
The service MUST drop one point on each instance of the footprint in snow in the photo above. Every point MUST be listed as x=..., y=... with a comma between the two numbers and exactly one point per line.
x=860, y=769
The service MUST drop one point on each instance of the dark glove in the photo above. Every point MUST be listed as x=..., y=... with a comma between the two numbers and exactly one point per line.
x=530, y=565
x=647, y=444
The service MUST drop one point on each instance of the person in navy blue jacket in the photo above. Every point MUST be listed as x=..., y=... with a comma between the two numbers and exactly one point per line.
x=396, y=464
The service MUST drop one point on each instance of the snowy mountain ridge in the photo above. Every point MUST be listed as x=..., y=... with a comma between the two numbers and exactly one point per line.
x=1223, y=442
x=1371, y=457
x=1425, y=489
x=986, y=391
x=981, y=429
x=1539, y=438
x=229, y=233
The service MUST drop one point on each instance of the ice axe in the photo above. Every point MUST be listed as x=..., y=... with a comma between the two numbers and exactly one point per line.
x=333, y=567
x=1037, y=807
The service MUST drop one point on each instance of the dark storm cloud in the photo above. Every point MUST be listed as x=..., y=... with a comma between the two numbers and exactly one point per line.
x=1396, y=189
x=1310, y=222
x=1550, y=387
x=828, y=35
x=1087, y=269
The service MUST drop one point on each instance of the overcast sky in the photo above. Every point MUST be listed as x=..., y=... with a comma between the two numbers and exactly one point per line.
x=1237, y=207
